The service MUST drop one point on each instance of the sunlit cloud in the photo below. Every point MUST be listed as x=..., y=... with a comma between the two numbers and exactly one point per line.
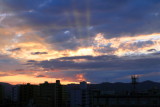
x=99, y=45
x=127, y=45
x=80, y=77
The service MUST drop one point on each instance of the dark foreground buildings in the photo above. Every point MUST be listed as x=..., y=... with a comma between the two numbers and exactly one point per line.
x=43, y=95
x=50, y=95
x=1, y=95
x=80, y=95
x=101, y=99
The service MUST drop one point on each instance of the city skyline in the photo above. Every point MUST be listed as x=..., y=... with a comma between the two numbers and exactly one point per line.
x=79, y=40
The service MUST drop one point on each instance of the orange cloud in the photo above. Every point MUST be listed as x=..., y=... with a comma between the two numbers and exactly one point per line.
x=80, y=77
x=118, y=46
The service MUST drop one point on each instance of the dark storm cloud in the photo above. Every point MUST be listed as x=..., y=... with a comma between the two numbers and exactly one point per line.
x=111, y=17
x=135, y=17
x=22, y=5
x=102, y=68
x=91, y=58
x=100, y=62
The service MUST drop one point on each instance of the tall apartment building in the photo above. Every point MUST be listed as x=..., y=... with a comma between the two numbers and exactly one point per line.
x=43, y=95
x=26, y=93
x=79, y=95
x=147, y=99
x=1, y=95
x=50, y=95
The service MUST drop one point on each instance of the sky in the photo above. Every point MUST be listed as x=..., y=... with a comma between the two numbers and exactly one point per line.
x=79, y=40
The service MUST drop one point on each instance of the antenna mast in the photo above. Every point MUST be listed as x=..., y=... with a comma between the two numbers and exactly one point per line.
x=134, y=82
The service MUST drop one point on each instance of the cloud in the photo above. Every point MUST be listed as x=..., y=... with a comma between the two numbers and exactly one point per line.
x=38, y=53
x=100, y=62
x=40, y=76
x=140, y=44
x=109, y=17
x=88, y=39
x=15, y=49
x=151, y=50
x=156, y=53
x=100, y=68
x=112, y=18
x=9, y=64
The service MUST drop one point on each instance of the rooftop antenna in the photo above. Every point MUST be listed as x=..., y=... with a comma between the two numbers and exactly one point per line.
x=134, y=82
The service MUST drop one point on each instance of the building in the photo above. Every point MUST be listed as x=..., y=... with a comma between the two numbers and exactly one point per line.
x=26, y=94
x=50, y=95
x=127, y=100
x=79, y=95
x=15, y=93
x=1, y=95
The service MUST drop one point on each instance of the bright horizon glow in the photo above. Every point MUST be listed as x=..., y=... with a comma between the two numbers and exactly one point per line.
x=24, y=79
